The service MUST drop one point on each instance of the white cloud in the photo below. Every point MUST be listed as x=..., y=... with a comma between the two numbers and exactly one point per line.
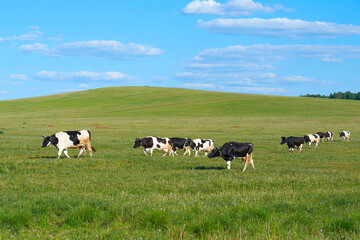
x=259, y=90
x=11, y=83
x=332, y=59
x=30, y=36
x=18, y=77
x=271, y=53
x=83, y=85
x=232, y=7
x=67, y=90
x=96, y=48
x=199, y=85
x=4, y=92
x=279, y=27
x=83, y=76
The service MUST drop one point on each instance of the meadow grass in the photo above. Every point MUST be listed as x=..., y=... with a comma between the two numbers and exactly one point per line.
x=122, y=194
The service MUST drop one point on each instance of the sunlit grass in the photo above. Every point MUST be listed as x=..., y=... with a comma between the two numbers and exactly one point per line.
x=122, y=194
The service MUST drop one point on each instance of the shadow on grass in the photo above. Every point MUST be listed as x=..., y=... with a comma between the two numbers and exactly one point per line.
x=208, y=168
x=46, y=157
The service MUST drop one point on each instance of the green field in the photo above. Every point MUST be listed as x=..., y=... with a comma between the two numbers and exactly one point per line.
x=122, y=194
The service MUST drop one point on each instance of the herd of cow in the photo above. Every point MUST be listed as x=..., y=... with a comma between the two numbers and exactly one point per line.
x=229, y=151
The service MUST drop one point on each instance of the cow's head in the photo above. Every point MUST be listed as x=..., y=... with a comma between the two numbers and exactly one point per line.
x=214, y=153
x=46, y=141
x=307, y=138
x=283, y=140
x=137, y=143
x=192, y=144
x=189, y=142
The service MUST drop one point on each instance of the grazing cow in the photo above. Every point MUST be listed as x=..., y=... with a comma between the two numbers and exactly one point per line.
x=151, y=143
x=181, y=143
x=293, y=142
x=321, y=135
x=70, y=139
x=345, y=135
x=206, y=145
x=329, y=136
x=312, y=138
x=231, y=150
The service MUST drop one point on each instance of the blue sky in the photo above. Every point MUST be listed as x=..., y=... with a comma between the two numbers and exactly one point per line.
x=246, y=46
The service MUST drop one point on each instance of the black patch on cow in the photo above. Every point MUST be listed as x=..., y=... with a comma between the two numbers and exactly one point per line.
x=73, y=137
x=89, y=135
x=161, y=140
x=147, y=142
x=158, y=145
x=321, y=134
x=54, y=140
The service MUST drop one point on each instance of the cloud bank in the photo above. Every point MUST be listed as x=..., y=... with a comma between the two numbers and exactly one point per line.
x=232, y=7
x=279, y=27
x=82, y=76
x=95, y=48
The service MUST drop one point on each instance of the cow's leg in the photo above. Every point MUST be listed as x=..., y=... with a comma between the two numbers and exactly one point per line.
x=66, y=153
x=317, y=144
x=59, y=152
x=165, y=152
x=252, y=161
x=228, y=163
x=300, y=148
x=151, y=151
x=247, y=161
x=145, y=149
x=187, y=150
x=206, y=153
x=196, y=153
x=81, y=151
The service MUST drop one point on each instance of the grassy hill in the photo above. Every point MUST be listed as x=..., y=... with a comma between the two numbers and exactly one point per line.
x=119, y=193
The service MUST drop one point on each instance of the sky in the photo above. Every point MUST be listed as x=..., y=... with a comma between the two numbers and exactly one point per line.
x=271, y=47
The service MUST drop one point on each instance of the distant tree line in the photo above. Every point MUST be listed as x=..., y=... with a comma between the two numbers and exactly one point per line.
x=336, y=95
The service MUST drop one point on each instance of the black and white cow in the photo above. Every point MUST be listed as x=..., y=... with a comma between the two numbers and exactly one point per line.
x=206, y=145
x=293, y=142
x=231, y=150
x=312, y=138
x=182, y=144
x=345, y=135
x=329, y=136
x=321, y=135
x=69, y=139
x=150, y=143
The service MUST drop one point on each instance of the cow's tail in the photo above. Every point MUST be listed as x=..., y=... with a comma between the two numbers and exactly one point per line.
x=92, y=148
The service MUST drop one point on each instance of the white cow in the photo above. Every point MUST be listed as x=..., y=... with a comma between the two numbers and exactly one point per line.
x=312, y=138
x=345, y=135
x=70, y=139
x=206, y=145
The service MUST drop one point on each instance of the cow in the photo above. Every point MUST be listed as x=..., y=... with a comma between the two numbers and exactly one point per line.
x=70, y=139
x=150, y=143
x=329, y=136
x=321, y=135
x=312, y=138
x=181, y=143
x=345, y=135
x=293, y=142
x=231, y=150
x=206, y=145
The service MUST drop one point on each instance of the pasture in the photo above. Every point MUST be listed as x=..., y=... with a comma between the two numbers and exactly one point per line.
x=122, y=194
